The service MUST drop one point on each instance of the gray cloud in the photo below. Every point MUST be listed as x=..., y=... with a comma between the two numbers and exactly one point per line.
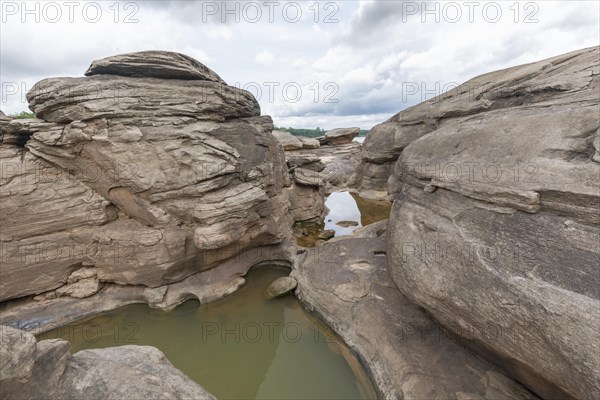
x=370, y=53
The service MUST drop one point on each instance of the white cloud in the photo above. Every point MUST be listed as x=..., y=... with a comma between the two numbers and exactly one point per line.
x=368, y=55
x=264, y=58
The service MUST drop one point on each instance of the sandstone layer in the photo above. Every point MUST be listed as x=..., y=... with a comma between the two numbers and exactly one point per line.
x=148, y=171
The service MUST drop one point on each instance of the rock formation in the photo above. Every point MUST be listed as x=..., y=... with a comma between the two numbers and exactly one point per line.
x=147, y=171
x=281, y=286
x=339, y=136
x=291, y=142
x=346, y=283
x=46, y=369
x=495, y=225
x=151, y=180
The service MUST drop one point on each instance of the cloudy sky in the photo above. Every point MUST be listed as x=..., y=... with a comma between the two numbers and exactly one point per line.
x=327, y=64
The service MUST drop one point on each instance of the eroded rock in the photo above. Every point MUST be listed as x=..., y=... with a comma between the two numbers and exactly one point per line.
x=288, y=141
x=163, y=168
x=154, y=64
x=339, y=136
x=523, y=89
x=514, y=252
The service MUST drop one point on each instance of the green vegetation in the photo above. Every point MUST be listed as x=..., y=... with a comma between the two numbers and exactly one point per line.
x=23, y=115
x=312, y=133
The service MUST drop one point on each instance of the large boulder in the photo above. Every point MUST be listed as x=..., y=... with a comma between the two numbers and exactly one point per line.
x=154, y=64
x=339, y=136
x=513, y=87
x=288, y=141
x=46, y=369
x=495, y=224
x=149, y=171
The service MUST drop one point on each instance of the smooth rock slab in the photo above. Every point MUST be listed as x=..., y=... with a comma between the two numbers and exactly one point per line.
x=100, y=96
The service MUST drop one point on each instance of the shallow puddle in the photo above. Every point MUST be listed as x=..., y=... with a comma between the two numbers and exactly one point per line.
x=347, y=212
x=241, y=347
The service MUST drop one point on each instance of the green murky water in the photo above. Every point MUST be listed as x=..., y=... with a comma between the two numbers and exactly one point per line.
x=241, y=347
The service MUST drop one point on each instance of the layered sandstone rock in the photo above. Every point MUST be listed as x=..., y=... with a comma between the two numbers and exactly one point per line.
x=495, y=225
x=157, y=64
x=148, y=171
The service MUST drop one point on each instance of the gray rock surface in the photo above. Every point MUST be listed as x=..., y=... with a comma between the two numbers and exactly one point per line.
x=337, y=165
x=146, y=179
x=534, y=85
x=65, y=100
x=339, y=136
x=309, y=143
x=45, y=369
x=347, y=284
x=288, y=141
x=126, y=372
x=49, y=310
x=281, y=286
x=495, y=225
x=307, y=203
x=154, y=64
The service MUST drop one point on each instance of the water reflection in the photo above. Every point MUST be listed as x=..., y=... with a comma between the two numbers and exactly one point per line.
x=344, y=208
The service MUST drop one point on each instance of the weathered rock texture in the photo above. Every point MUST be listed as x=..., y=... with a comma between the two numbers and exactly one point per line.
x=307, y=202
x=46, y=369
x=291, y=142
x=156, y=64
x=495, y=226
x=536, y=86
x=51, y=310
x=339, y=136
x=147, y=177
x=347, y=284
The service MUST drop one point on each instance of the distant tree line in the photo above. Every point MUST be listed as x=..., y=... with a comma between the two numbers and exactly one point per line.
x=23, y=115
x=312, y=133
